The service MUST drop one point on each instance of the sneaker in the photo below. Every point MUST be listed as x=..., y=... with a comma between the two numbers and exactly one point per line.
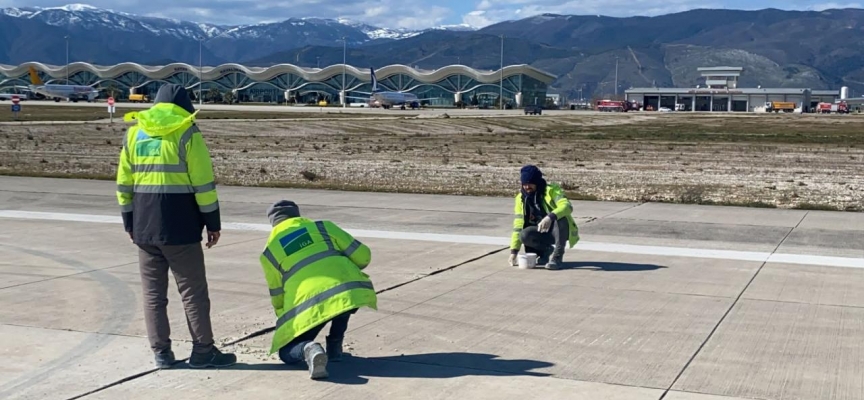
x=316, y=358
x=165, y=359
x=213, y=358
x=334, y=350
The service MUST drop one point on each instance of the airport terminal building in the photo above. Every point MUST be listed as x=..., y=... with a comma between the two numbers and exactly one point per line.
x=721, y=93
x=522, y=84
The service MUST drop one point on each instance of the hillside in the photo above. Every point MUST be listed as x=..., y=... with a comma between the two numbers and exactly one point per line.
x=426, y=51
x=776, y=48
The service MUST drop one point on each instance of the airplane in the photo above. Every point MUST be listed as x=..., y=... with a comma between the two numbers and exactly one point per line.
x=387, y=99
x=57, y=92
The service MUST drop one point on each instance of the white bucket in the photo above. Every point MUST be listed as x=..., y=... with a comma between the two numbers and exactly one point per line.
x=527, y=260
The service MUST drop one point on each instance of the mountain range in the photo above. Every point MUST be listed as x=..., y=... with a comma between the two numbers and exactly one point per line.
x=817, y=49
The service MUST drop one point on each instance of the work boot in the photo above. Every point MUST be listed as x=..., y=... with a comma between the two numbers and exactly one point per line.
x=334, y=349
x=165, y=359
x=213, y=358
x=316, y=359
x=557, y=259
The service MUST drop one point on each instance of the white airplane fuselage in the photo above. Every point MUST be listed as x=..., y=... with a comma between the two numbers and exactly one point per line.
x=389, y=99
x=71, y=92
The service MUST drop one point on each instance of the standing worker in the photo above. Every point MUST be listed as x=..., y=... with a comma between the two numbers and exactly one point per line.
x=167, y=195
x=543, y=220
x=314, y=272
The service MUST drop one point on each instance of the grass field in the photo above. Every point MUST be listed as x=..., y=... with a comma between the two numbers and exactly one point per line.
x=42, y=113
x=800, y=161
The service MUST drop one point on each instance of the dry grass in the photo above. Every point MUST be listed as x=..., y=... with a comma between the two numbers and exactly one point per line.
x=813, y=162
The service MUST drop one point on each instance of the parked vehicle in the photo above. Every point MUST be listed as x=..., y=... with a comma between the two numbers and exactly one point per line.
x=139, y=98
x=616, y=105
x=533, y=110
x=830, y=108
x=777, y=106
x=8, y=96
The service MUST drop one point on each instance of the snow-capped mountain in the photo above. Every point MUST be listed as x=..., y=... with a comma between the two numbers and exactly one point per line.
x=82, y=16
x=104, y=35
x=78, y=16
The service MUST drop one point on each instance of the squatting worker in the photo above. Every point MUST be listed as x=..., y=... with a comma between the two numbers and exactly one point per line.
x=167, y=196
x=543, y=220
x=314, y=272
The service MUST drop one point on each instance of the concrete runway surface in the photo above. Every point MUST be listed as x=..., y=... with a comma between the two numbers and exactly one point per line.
x=658, y=301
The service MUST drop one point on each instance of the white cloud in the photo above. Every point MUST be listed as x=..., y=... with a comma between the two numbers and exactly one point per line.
x=830, y=5
x=482, y=18
x=486, y=13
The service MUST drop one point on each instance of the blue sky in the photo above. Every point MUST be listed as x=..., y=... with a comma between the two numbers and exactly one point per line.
x=413, y=14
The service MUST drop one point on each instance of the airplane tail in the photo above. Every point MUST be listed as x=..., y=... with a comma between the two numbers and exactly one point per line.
x=374, y=80
x=34, y=77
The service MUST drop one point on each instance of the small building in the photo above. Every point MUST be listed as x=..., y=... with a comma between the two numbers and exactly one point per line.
x=721, y=93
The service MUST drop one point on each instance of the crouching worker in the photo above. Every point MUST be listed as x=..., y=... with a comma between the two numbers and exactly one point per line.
x=314, y=272
x=543, y=220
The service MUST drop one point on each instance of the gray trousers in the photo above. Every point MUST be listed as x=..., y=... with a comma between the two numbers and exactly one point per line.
x=186, y=262
x=541, y=243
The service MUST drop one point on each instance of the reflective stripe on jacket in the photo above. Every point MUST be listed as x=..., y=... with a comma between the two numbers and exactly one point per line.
x=165, y=178
x=314, y=272
x=554, y=201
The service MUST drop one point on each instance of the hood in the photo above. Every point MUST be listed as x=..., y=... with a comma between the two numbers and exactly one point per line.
x=174, y=94
x=282, y=210
x=172, y=111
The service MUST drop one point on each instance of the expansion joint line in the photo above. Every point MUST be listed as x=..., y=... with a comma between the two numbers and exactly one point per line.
x=729, y=310
x=270, y=329
x=387, y=289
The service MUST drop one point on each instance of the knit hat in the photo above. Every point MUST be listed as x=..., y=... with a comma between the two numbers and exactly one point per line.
x=282, y=210
x=531, y=174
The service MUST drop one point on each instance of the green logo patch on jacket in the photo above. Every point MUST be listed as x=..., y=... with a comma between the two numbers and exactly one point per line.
x=295, y=241
x=148, y=148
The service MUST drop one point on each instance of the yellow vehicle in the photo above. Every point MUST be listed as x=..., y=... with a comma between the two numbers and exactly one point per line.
x=139, y=98
x=777, y=106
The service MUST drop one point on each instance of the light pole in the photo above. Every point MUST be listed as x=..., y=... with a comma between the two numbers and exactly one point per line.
x=67, y=58
x=344, y=59
x=201, y=64
x=200, y=70
x=501, y=80
x=616, y=77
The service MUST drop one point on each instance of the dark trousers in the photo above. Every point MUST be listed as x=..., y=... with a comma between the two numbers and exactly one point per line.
x=292, y=352
x=186, y=262
x=541, y=243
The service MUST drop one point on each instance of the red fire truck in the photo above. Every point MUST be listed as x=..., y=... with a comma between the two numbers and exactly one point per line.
x=615, y=105
x=828, y=108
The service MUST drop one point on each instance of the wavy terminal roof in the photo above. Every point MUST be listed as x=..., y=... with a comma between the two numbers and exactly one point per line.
x=267, y=73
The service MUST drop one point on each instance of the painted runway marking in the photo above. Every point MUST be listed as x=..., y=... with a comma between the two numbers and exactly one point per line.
x=847, y=262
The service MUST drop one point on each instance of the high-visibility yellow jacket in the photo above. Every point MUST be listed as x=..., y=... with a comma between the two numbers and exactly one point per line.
x=554, y=201
x=165, y=183
x=314, y=272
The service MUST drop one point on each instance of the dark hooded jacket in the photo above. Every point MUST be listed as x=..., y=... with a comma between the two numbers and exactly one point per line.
x=170, y=218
